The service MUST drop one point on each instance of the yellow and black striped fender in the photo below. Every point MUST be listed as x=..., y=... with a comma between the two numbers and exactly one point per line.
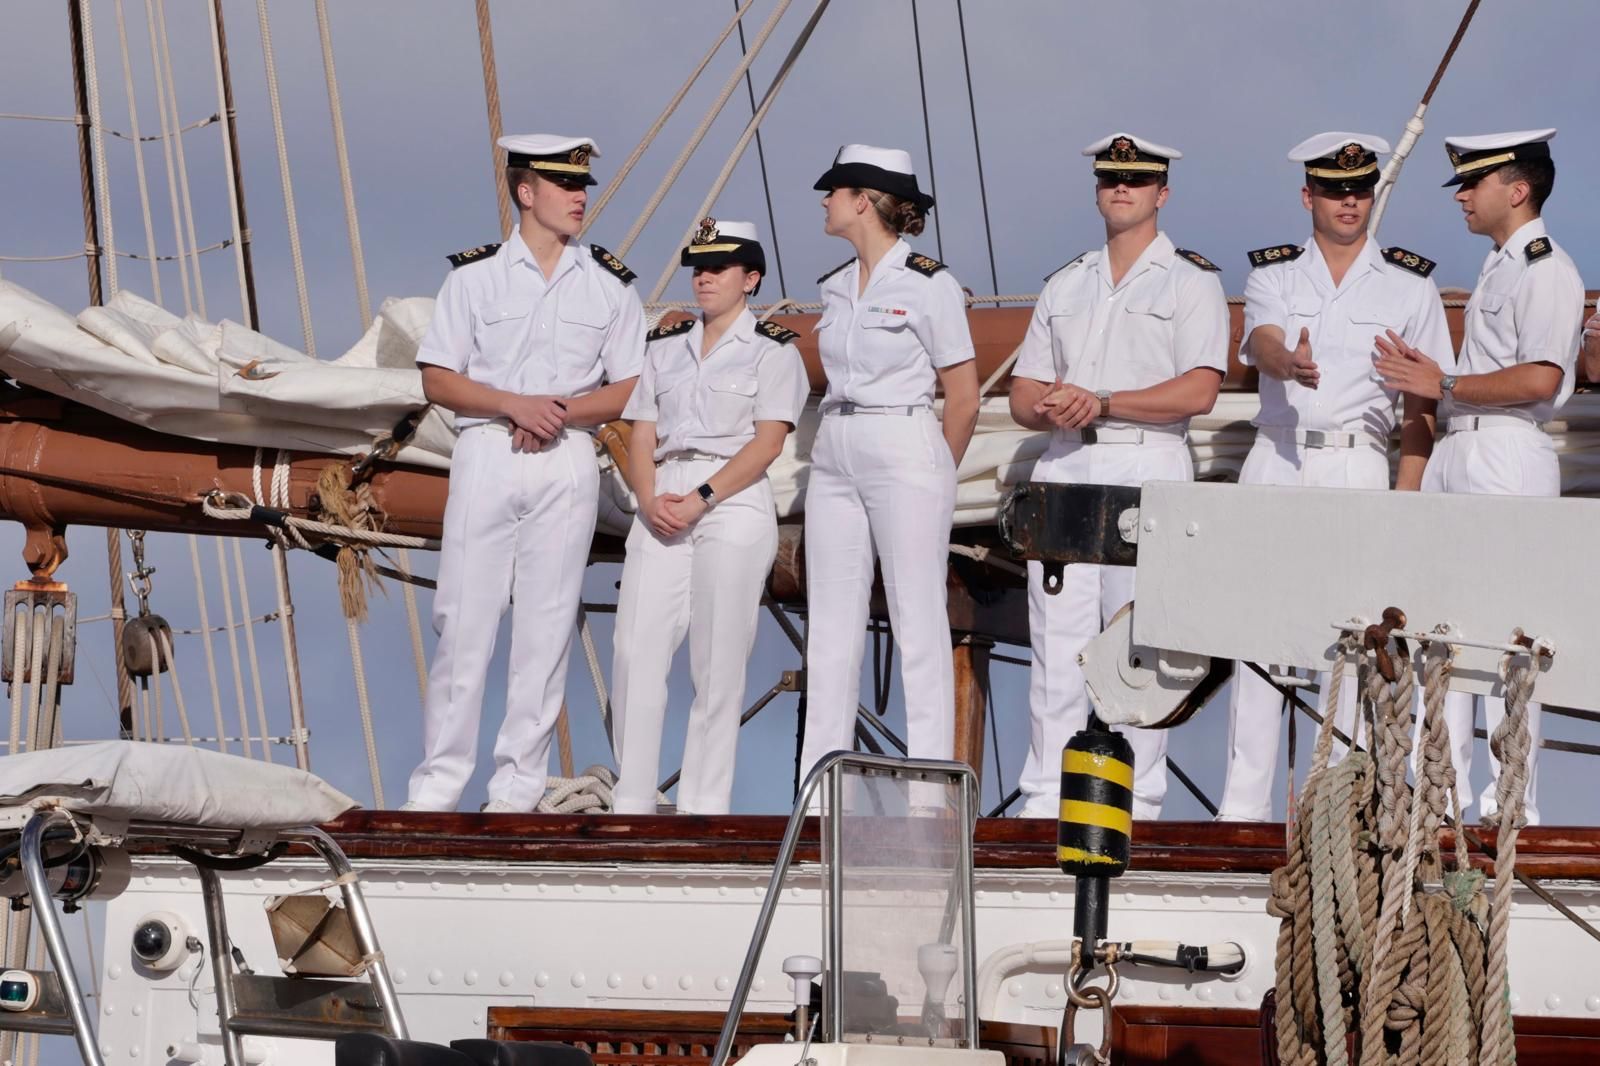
x=1096, y=827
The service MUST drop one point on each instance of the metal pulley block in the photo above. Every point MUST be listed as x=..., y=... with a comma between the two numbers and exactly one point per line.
x=1062, y=524
x=30, y=605
x=1154, y=688
x=146, y=641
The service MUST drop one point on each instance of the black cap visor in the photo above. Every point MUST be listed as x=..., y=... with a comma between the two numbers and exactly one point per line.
x=867, y=176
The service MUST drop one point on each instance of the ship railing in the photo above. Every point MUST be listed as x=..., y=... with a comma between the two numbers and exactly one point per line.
x=824, y=791
x=247, y=1004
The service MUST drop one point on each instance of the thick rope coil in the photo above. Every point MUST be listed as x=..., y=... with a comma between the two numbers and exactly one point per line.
x=589, y=791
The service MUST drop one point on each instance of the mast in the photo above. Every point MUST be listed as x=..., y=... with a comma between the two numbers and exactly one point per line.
x=247, y=260
x=91, y=239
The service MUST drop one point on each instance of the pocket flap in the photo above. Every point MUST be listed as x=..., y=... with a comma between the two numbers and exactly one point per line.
x=884, y=320
x=1493, y=302
x=506, y=311
x=580, y=313
x=1159, y=304
x=737, y=386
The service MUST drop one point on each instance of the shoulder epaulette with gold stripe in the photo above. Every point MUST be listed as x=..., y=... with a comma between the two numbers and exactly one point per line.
x=612, y=263
x=924, y=264
x=1409, y=261
x=1278, y=253
x=776, y=332
x=1537, y=249
x=681, y=326
x=834, y=271
x=1063, y=266
x=472, y=255
x=1195, y=259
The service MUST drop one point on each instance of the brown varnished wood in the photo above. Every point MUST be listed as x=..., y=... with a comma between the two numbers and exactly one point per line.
x=1008, y=843
x=1202, y=1036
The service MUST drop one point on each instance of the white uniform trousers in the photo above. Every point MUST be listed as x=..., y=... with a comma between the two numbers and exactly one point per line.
x=513, y=522
x=1256, y=709
x=884, y=484
x=1504, y=461
x=1060, y=625
x=705, y=582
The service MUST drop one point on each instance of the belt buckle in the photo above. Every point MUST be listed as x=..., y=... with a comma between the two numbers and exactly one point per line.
x=846, y=407
x=1316, y=438
x=1088, y=435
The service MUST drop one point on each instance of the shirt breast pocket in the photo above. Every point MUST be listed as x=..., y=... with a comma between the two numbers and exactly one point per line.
x=1150, y=339
x=583, y=327
x=730, y=404
x=1068, y=325
x=1496, y=314
x=500, y=325
x=884, y=322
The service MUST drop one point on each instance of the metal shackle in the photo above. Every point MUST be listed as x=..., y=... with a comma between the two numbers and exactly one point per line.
x=1096, y=825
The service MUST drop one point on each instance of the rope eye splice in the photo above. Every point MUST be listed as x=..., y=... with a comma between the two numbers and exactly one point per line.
x=1093, y=840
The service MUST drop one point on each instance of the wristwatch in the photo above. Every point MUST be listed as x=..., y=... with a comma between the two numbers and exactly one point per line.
x=707, y=494
x=1447, y=386
x=1105, y=402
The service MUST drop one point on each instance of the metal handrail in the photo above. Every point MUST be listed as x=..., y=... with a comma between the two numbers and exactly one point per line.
x=831, y=767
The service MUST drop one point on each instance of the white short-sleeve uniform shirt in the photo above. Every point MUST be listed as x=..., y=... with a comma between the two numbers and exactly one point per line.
x=1377, y=293
x=1527, y=308
x=883, y=348
x=499, y=321
x=1166, y=317
x=712, y=404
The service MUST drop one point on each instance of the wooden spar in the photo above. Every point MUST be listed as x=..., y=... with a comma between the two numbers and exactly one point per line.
x=64, y=464
x=972, y=676
x=246, y=256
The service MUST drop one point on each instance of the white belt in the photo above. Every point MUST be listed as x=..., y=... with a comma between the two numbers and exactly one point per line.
x=687, y=455
x=848, y=407
x=503, y=425
x=1119, y=435
x=1319, y=438
x=1464, y=423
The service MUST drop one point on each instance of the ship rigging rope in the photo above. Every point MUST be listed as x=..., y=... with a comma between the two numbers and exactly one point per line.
x=167, y=156
x=927, y=129
x=977, y=147
x=210, y=649
x=491, y=103
x=102, y=183
x=250, y=648
x=666, y=113
x=138, y=152
x=698, y=135
x=1423, y=969
x=233, y=651
x=83, y=120
x=761, y=157
x=751, y=127
x=235, y=191
x=284, y=179
x=169, y=123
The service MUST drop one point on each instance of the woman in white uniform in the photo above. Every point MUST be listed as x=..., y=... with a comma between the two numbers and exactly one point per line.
x=715, y=400
x=883, y=468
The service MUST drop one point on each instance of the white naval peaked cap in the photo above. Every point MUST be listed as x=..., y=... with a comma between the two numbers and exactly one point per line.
x=1474, y=156
x=744, y=231
x=1344, y=161
x=1143, y=144
x=718, y=242
x=894, y=160
x=864, y=166
x=545, y=143
x=1127, y=154
x=1327, y=145
x=560, y=157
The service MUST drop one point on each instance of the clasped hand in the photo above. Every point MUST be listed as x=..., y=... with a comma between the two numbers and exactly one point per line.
x=535, y=421
x=671, y=513
x=1068, y=406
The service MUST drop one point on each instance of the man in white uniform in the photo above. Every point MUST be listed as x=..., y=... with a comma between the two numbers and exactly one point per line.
x=524, y=338
x=1126, y=344
x=1516, y=370
x=1310, y=314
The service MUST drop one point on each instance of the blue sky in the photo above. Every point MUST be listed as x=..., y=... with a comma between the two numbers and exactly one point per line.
x=1233, y=83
